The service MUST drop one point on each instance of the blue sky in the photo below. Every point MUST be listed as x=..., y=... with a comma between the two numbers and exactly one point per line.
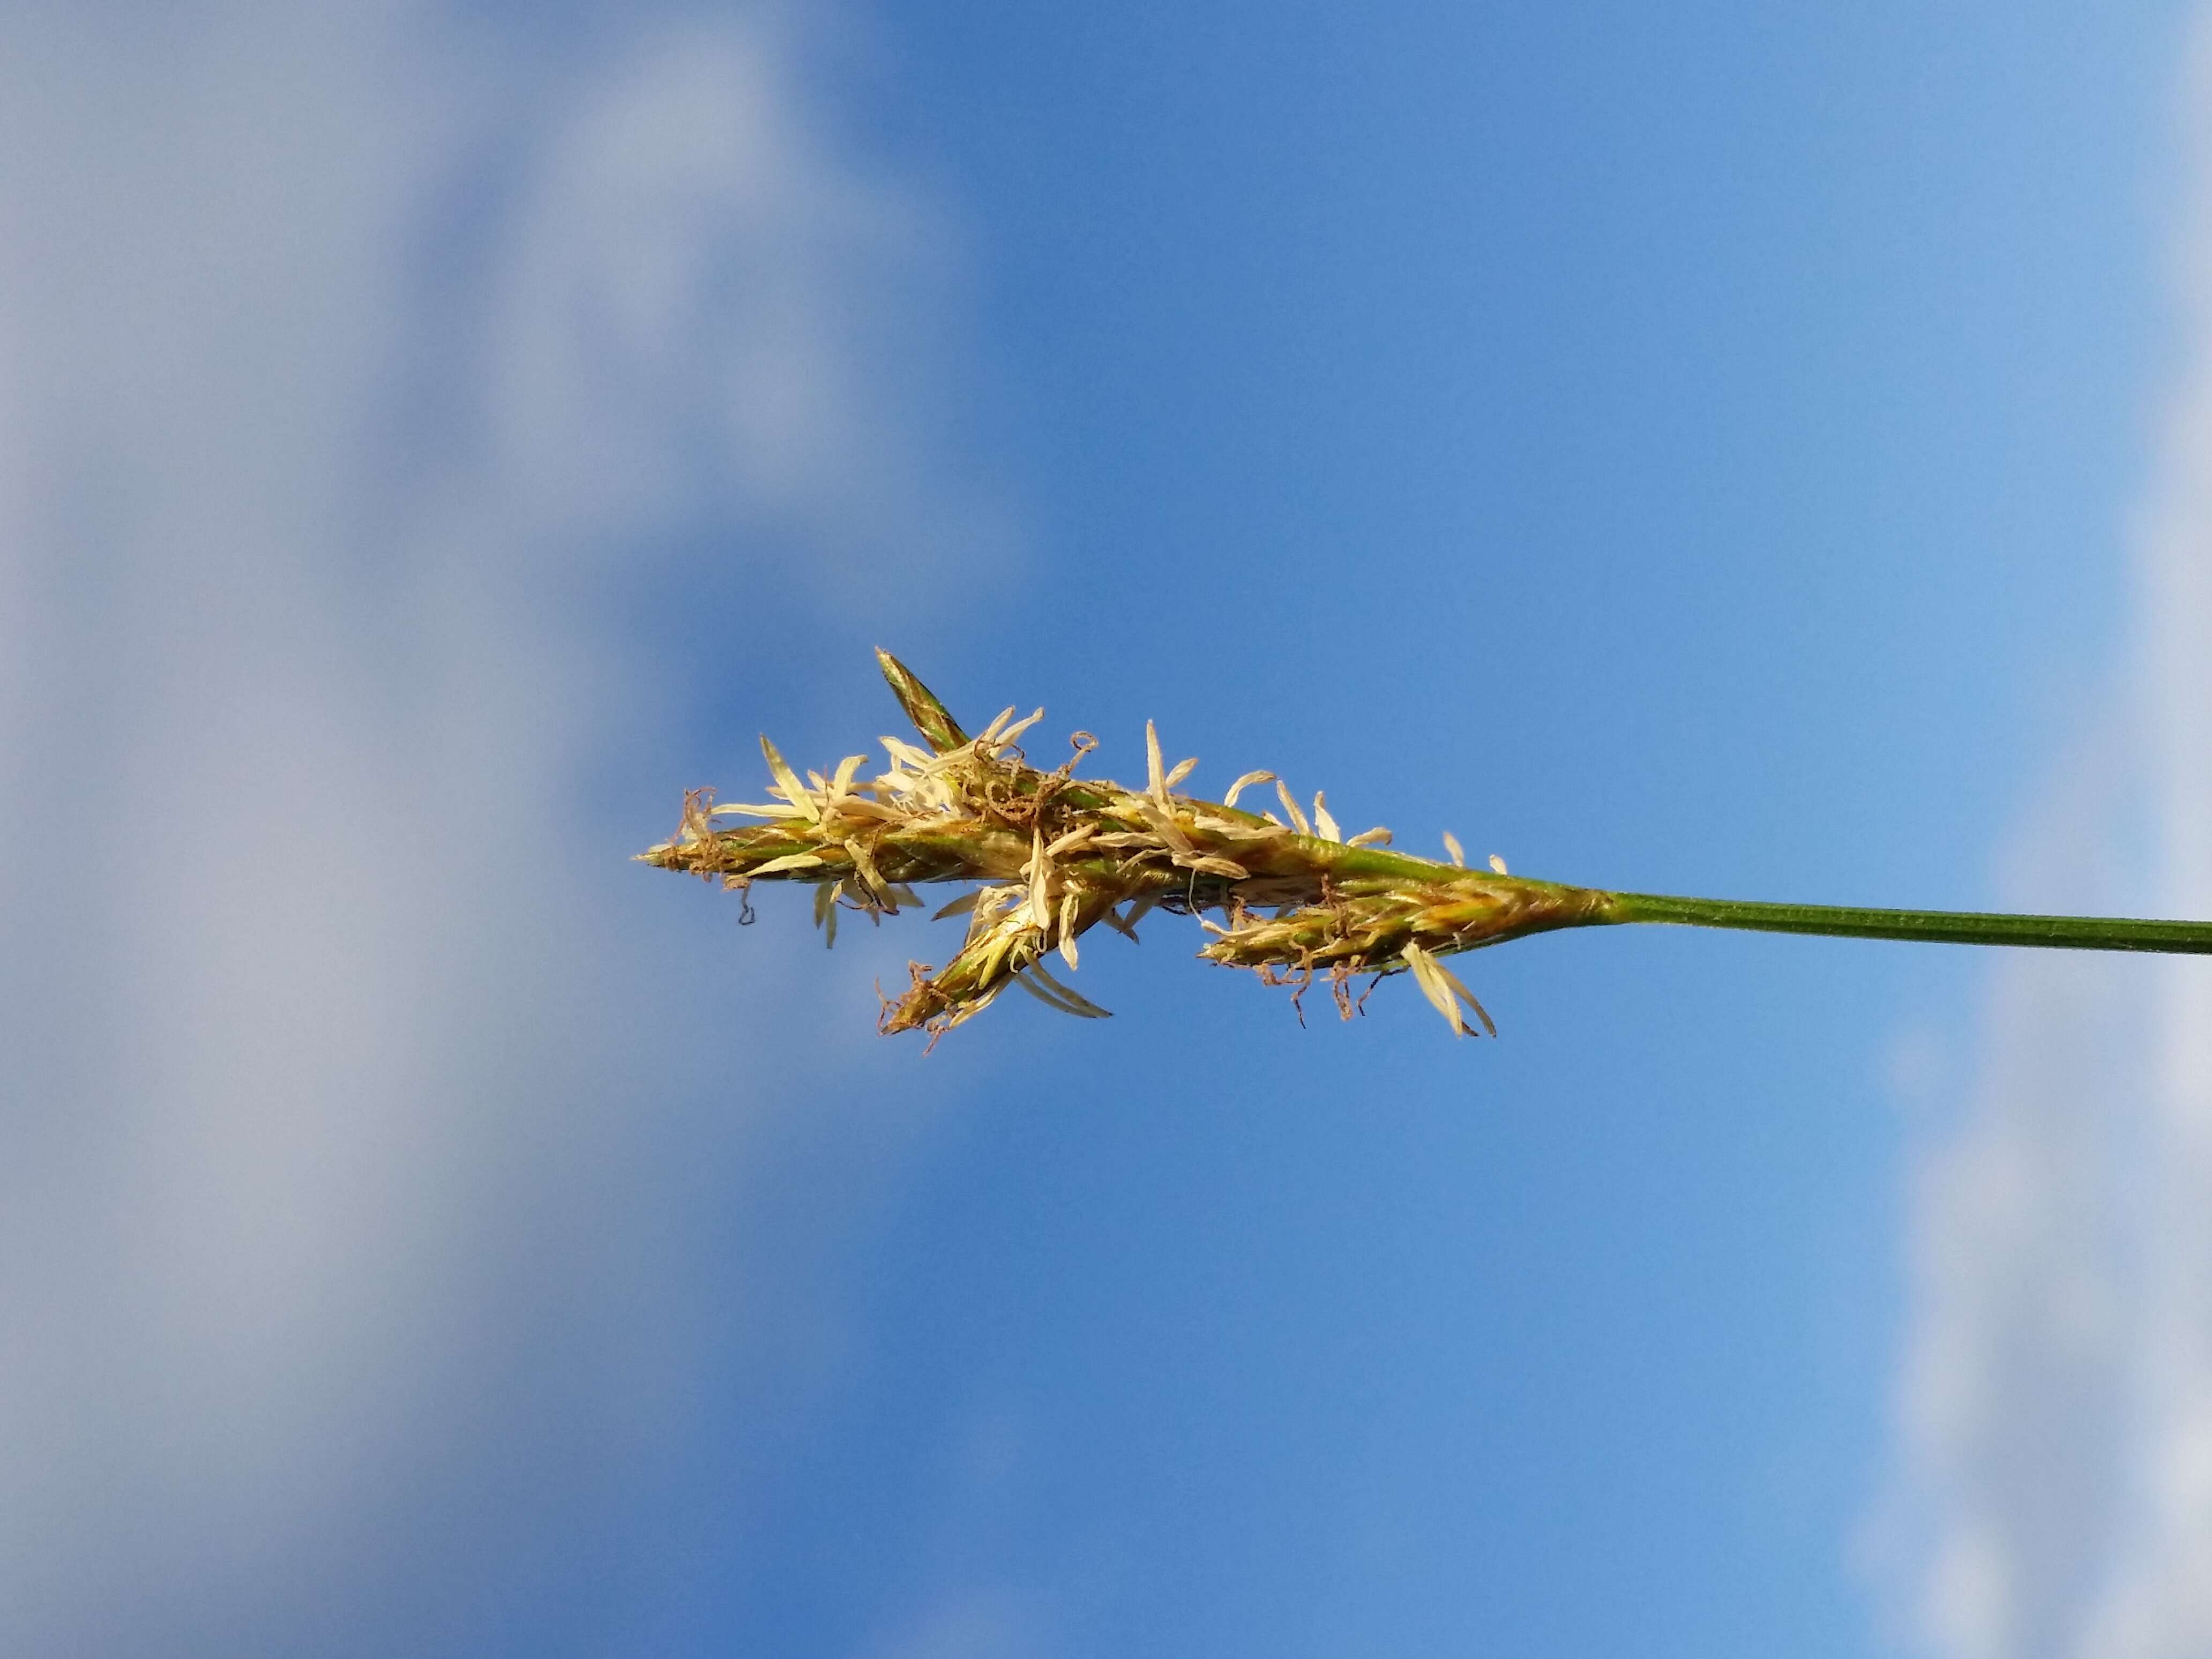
x=1708, y=450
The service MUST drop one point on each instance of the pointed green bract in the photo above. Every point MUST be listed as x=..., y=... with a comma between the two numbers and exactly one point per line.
x=931, y=718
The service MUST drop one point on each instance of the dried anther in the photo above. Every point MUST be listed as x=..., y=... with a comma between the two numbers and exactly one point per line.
x=1050, y=855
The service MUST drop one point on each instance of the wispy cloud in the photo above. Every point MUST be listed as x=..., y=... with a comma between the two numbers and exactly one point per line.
x=2056, y=1402
x=347, y=358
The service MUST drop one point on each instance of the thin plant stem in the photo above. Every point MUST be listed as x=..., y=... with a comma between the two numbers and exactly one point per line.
x=1928, y=927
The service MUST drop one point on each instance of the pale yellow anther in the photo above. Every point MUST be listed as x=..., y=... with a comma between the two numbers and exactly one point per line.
x=788, y=861
x=1005, y=738
x=865, y=866
x=905, y=757
x=1431, y=979
x=1244, y=783
x=1068, y=906
x=1074, y=839
x=1452, y=980
x=961, y=906
x=1040, y=899
x=1165, y=827
x=788, y=784
x=1322, y=821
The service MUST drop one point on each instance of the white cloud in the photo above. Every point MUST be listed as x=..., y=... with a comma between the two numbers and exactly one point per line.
x=2055, y=1434
x=342, y=362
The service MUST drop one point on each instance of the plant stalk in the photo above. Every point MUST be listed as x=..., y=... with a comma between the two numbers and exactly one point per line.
x=1933, y=926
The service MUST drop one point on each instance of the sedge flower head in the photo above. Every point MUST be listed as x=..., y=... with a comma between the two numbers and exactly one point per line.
x=1046, y=856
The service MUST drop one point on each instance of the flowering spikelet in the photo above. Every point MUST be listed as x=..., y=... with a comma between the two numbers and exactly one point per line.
x=1051, y=855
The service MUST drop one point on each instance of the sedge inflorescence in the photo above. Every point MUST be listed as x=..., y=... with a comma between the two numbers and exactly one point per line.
x=1048, y=856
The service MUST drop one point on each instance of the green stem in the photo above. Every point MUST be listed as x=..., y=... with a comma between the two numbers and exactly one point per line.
x=1939, y=927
